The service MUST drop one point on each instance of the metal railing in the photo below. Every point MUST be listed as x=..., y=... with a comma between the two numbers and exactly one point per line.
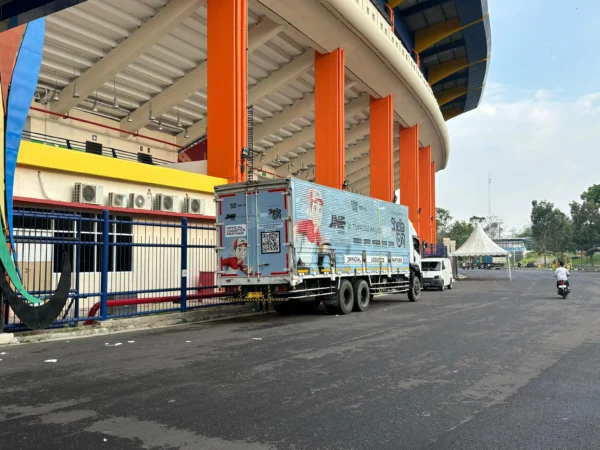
x=123, y=265
x=435, y=251
x=110, y=152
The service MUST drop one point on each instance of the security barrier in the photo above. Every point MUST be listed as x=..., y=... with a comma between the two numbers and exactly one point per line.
x=123, y=265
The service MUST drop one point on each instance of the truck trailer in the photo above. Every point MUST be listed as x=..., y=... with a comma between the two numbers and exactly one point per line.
x=293, y=242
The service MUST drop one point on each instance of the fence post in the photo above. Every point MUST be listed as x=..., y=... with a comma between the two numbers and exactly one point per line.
x=184, y=263
x=104, y=273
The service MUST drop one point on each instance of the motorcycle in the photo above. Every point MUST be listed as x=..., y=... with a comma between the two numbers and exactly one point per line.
x=563, y=289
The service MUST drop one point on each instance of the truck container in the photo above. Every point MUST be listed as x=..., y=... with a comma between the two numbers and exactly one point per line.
x=292, y=242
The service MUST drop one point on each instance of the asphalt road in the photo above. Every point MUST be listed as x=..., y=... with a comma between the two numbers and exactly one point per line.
x=492, y=364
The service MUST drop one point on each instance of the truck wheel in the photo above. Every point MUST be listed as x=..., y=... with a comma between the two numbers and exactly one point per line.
x=442, y=287
x=415, y=289
x=362, y=295
x=450, y=285
x=345, y=298
x=283, y=307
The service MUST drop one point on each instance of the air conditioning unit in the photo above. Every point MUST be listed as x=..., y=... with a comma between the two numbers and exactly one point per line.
x=140, y=201
x=117, y=200
x=87, y=193
x=165, y=203
x=194, y=205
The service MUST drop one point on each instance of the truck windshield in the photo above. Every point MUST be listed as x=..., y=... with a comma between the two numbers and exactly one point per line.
x=432, y=266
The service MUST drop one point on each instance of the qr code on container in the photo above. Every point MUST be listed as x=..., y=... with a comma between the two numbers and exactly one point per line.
x=270, y=242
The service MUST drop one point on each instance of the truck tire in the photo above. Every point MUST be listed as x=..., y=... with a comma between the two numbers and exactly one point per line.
x=414, y=292
x=362, y=295
x=345, y=297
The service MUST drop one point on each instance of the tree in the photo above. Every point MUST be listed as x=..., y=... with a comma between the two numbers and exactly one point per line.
x=494, y=229
x=550, y=227
x=460, y=232
x=525, y=232
x=586, y=225
x=476, y=219
x=592, y=195
x=443, y=219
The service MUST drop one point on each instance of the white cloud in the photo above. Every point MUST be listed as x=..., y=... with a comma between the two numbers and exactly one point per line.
x=537, y=148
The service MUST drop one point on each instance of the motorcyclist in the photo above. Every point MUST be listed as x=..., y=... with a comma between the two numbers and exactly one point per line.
x=562, y=274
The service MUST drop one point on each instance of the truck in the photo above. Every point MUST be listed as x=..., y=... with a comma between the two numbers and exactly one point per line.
x=295, y=243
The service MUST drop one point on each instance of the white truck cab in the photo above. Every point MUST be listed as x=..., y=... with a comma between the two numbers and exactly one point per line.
x=437, y=273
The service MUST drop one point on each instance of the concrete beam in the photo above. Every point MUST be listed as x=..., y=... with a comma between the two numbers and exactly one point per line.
x=299, y=109
x=281, y=77
x=358, y=132
x=308, y=133
x=356, y=151
x=193, y=81
x=131, y=48
x=270, y=84
x=359, y=169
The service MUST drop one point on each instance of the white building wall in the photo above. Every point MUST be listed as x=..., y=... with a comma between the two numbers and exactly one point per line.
x=58, y=186
x=42, y=123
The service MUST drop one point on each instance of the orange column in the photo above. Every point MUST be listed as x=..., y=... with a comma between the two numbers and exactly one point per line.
x=409, y=172
x=425, y=193
x=382, y=148
x=227, y=87
x=433, y=210
x=329, y=118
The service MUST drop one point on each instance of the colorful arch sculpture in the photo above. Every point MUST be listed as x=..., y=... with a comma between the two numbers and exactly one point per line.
x=19, y=69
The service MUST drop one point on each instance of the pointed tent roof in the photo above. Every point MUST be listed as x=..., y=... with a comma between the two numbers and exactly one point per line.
x=479, y=244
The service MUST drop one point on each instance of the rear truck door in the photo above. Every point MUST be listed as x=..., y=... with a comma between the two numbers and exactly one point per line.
x=269, y=240
x=234, y=260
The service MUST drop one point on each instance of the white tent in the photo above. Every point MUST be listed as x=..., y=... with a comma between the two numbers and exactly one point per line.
x=480, y=244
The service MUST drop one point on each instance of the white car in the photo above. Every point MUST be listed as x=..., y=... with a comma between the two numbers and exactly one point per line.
x=437, y=273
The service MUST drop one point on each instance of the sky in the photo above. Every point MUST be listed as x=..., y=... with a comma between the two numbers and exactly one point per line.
x=537, y=129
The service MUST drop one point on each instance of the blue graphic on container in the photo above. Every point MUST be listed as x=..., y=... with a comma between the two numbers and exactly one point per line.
x=339, y=224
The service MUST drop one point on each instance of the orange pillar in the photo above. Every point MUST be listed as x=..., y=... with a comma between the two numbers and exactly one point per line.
x=329, y=118
x=409, y=172
x=425, y=193
x=227, y=87
x=382, y=148
x=433, y=210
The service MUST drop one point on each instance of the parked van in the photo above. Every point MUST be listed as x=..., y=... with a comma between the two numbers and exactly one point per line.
x=437, y=273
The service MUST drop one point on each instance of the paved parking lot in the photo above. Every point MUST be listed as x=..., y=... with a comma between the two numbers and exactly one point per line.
x=491, y=364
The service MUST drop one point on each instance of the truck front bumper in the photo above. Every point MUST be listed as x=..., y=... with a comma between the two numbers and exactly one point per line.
x=432, y=283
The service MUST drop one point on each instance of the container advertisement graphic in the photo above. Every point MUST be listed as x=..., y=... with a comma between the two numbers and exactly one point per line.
x=276, y=227
x=329, y=222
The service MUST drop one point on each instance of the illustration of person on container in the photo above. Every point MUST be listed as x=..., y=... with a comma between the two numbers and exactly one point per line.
x=236, y=264
x=309, y=232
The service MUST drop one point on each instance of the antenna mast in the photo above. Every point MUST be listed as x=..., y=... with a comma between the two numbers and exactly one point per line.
x=489, y=197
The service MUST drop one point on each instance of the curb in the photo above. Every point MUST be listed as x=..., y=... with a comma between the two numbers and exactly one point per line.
x=6, y=338
x=114, y=326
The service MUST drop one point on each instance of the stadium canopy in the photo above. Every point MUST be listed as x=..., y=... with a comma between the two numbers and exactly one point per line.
x=480, y=244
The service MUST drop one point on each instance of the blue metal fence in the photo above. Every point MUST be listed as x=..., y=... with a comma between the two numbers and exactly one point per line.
x=435, y=251
x=123, y=265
